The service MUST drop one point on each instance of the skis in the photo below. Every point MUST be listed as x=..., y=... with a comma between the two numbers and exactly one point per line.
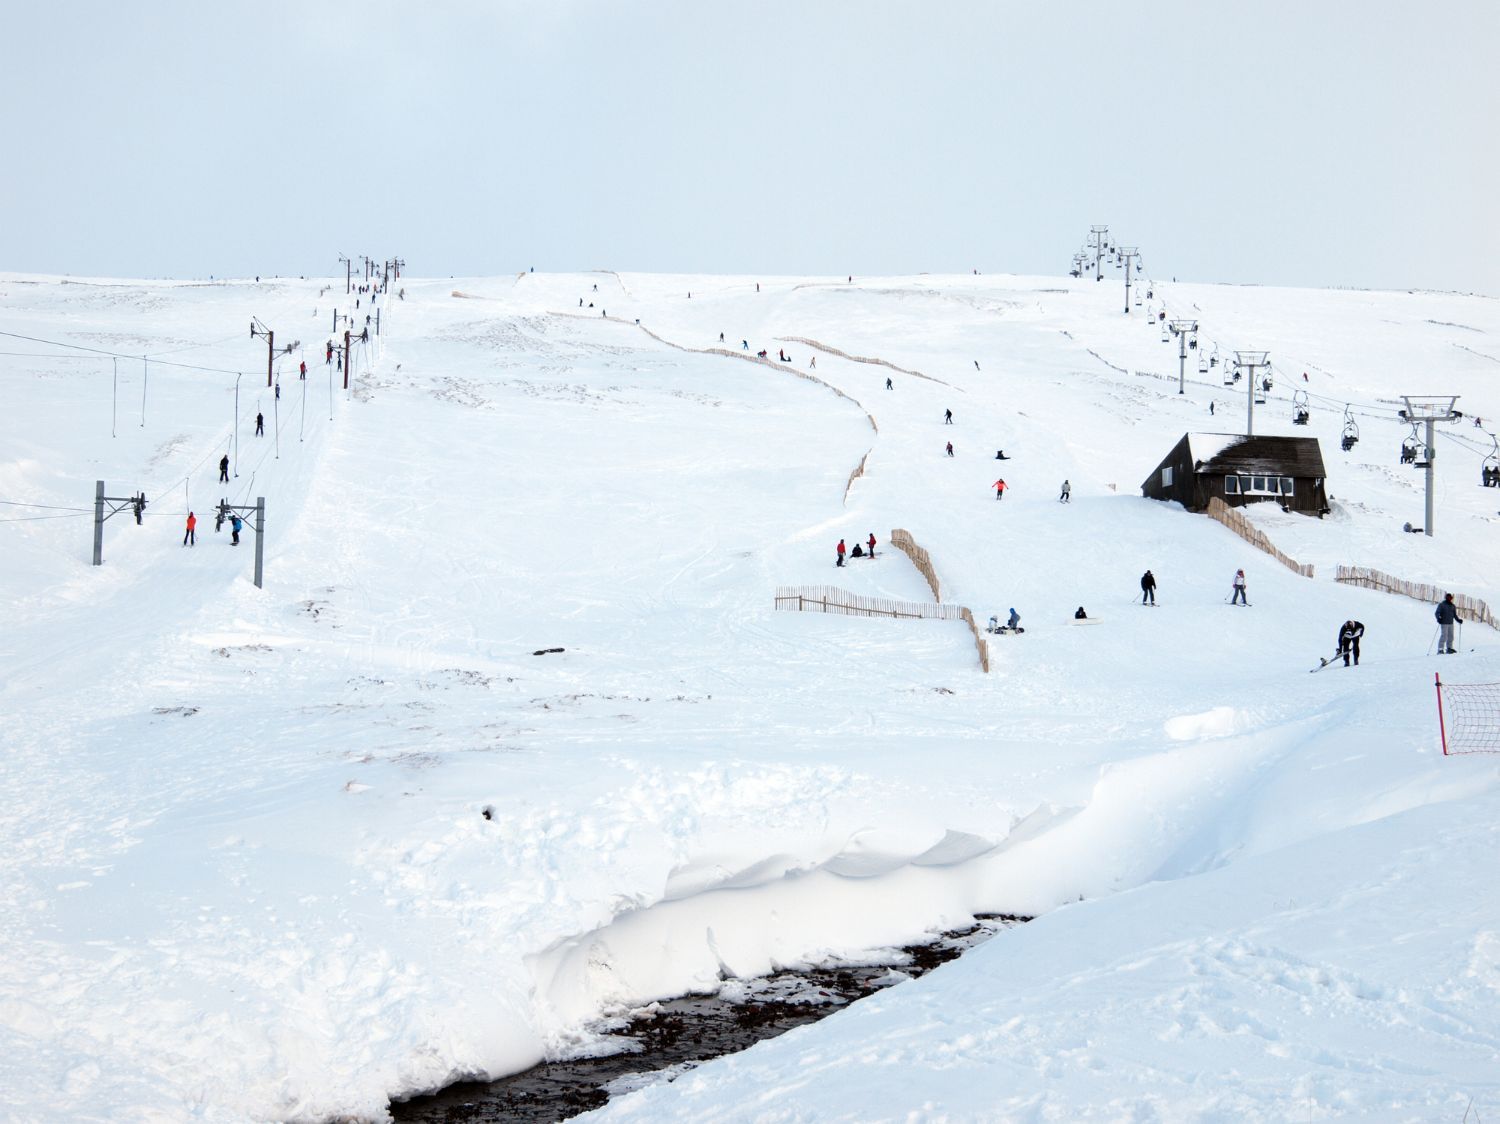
x=1324, y=661
x=1005, y=630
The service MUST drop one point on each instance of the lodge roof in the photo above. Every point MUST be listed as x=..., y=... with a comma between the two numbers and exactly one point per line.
x=1218, y=454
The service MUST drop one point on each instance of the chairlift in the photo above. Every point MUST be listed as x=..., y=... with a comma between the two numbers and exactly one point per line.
x=1193, y=342
x=1166, y=334
x=1260, y=392
x=1350, y=436
x=1213, y=359
x=1300, y=412
x=1202, y=364
x=1489, y=468
x=1231, y=376
x=1409, y=447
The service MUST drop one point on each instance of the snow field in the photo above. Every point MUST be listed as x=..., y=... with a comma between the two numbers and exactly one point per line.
x=289, y=904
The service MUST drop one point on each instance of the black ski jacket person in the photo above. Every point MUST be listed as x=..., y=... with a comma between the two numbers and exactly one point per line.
x=1148, y=587
x=1349, y=634
x=1446, y=612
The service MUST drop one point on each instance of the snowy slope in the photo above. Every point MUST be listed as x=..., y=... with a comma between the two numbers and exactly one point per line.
x=283, y=854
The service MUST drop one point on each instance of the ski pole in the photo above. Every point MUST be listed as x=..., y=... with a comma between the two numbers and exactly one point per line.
x=1433, y=641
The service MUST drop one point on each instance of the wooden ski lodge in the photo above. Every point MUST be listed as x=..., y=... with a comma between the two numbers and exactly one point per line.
x=1241, y=470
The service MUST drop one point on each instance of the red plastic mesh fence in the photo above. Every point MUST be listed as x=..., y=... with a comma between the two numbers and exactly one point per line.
x=1469, y=717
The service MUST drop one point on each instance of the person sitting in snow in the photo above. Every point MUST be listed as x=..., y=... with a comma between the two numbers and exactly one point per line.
x=1080, y=615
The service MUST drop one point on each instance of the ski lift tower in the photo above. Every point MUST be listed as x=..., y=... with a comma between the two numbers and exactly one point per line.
x=1253, y=360
x=1128, y=254
x=1182, y=328
x=1430, y=409
x=1097, y=233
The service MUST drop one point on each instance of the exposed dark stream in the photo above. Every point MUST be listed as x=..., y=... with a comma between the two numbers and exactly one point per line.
x=663, y=1040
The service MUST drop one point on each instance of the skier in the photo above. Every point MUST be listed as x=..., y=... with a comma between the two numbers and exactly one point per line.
x=235, y=523
x=976, y=364
x=1067, y=493
x=950, y=448
x=1446, y=613
x=871, y=544
x=1349, y=634
x=278, y=392
x=190, y=536
x=260, y=425
x=302, y=369
x=721, y=337
x=744, y=345
x=813, y=363
x=1000, y=487
x=1239, y=589
x=224, y=469
x=1148, y=588
x=328, y=354
x=888, y=384
x=947, y=417
x=840, y=560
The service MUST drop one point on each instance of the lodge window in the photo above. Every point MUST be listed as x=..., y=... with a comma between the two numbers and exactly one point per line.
x=1166, y=477
x=1256, y=485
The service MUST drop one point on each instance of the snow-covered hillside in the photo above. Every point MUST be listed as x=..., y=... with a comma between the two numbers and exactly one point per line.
x=285, y=853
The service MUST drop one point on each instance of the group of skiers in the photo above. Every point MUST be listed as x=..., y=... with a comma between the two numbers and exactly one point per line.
x=868, y=551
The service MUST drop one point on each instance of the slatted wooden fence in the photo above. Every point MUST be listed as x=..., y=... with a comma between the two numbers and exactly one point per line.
x=1220, y=511
x=1469, y=608
x=903, y=542
x=832, y=599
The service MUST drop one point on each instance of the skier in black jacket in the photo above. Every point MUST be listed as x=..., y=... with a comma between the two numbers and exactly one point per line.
x=1349, y=634
x=1148, y=588
x=1447, y=614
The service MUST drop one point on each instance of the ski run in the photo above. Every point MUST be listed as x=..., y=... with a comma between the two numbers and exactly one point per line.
x=513, y=739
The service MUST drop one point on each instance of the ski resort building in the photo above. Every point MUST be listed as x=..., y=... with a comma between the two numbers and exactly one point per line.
x=1241, y=470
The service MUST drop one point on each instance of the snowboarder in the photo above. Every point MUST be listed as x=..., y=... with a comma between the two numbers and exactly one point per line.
x=1148, y=588
x=1067, y=493
x=224, y=469
x=1080, y=615
x=1000, y=487
x=260, y=425
x=1447, y=614
x=1349, y=634
x=947, y=417
x=190, y=536
x=840, y=559
x=994, y=625
x=871, y=544
x=950, y=448
x=1238, y=596
x=1014, y=624
x=1000, y=455
x=235, y=523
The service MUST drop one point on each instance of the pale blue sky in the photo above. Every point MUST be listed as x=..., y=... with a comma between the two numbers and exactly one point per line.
x=1288, y=142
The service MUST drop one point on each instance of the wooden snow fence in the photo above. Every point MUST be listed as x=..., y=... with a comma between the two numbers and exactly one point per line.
x=859, y=470
x=1469, y=608
x=1236, y=522
x=859, y=358
x=903, y=542
x=832, y=599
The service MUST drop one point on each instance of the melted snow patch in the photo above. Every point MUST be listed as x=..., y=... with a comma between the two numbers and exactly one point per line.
x=1219, y=722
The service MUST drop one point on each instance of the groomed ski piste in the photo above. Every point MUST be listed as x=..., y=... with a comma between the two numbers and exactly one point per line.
x=286, y=854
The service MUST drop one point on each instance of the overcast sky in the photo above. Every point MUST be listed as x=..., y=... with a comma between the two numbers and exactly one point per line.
x=1291, y=142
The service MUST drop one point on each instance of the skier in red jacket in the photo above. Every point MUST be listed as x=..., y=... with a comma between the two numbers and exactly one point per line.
x=1000, y=487
x=840, y=560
